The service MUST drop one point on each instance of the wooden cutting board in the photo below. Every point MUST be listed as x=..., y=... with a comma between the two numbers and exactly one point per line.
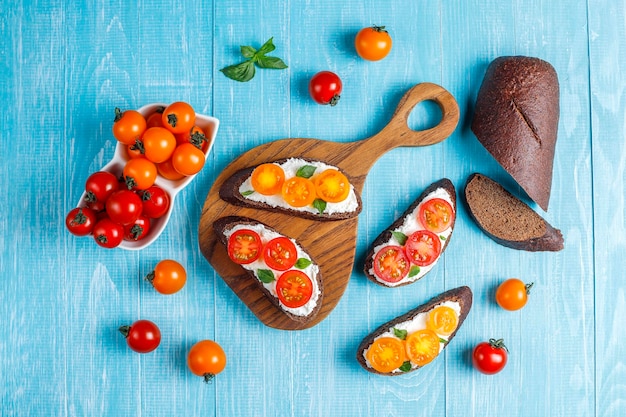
x=331, y=243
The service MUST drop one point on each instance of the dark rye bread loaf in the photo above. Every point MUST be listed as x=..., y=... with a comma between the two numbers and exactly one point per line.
x=229, y=192
x=516, y=119
x=224, y=224
x=506, y=219
x=386, y=234
x=463, y=295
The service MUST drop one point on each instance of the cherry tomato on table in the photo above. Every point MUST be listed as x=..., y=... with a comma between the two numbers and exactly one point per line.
x=391, y=264
x=512, y=294
x=244, y=246
x=436, y=215
x=168, y=277
x=124, y=207
x=128, y=126
x=142, y=336
x=490, y=357
x=99, y=186
x=280, y=253
x=179, y=117
x=206, y=359
x=294, y=288
x=80, y=221
x=373, y=43
x=107, y=233
x=325, y=88
x=156, y=202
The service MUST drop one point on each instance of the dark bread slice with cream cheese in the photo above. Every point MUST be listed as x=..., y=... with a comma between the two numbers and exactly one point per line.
x=223, y=226
x=387, y=234
x=230, y=191
x=461, y=295
x=516, y=119
x=508, y=220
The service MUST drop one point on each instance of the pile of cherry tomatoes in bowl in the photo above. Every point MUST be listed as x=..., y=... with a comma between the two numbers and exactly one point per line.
x=160, y=149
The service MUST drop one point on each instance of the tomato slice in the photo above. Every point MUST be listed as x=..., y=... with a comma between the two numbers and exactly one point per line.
x=267, y=179
x=244, y=246
x=436, y=215
x=280, y=253
x=332, y=186
x=298, y=191
x=391, y=264
x=422, y=346
x=294, y=288
x=442, y=320
x=423, y=247
x=386, y=354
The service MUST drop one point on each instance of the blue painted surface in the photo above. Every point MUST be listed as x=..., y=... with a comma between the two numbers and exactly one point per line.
x=64, y=67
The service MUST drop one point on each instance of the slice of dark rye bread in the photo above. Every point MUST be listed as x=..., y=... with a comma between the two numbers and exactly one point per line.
x=386, y=234
x=508, y=220
x=229, y=192
x=463, y=295
x=222, y=225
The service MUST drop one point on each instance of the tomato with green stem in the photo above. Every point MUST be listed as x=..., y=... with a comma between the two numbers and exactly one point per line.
x=128, y=126
x=490, y=357
x=325, y=88
x=107, y=233
x=98, y=187
x=143, y=336
x=124, y=207
x=179, y=117
x=80, y=221
x=373, y=43
x=137, y=230
x=512, y=294
x=206, y=359
x=156, y=202
x=139, y=173
x=167, y=277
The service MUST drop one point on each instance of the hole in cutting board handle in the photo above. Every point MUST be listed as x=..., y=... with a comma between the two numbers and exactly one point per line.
x=425, y=115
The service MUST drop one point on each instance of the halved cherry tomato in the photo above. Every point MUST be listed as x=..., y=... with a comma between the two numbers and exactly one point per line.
x=442, y=320
x=187, y=159
x=423, y=247
x=244, y=246
x=267, y=179
x=128, y=126
x=436, y=215
x=139, y=173
x=179, y=117
x=386, y=354
x=298, y=191
x=332, y=186
x=391, y=264
x=280, y=253
x=158, y=143
x=422, y=346
x=294, y=288
x=167, y=171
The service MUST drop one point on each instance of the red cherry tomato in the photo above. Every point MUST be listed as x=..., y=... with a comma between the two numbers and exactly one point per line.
x=423, y=247
x=294, y=288
x=373, y=43
x=137, y=230
x=128, y=126
x=436, y=215
x=280, y=253
x=107, y=233
x=156, y=202
x=391, y=264
x=490, y=357
x=244, y=246
x=80, y=221
x=124, y=207
x=99, y=186
x=325, y=88
x=142, y=336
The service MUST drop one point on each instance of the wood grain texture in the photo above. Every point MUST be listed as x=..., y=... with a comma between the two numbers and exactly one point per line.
x=64, y=67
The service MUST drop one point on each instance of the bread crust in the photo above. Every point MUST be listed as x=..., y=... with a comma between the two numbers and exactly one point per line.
x=229, y=192
x=386, y=234
x=463, y=295
x=221, y=225
x=516, y=119
x=550, y=240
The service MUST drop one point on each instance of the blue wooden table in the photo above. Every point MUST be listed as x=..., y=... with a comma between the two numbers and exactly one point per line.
x=64, y=67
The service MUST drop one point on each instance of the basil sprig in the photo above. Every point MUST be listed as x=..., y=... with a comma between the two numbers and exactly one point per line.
x=244, y=71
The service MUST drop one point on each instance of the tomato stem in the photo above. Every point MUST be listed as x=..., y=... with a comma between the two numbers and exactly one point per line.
x=208, y=377
x=528, y=287
x=379, y=29
x=125, y=330
x=80, y=218
x=150, y=277
x=333, y=101
x=498, y=344
x=118, y=114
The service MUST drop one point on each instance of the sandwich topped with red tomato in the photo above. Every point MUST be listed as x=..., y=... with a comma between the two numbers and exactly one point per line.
x=410, y=247
x=284, y=271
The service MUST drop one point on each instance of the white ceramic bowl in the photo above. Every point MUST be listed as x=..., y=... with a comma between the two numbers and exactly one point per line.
x=209, y=125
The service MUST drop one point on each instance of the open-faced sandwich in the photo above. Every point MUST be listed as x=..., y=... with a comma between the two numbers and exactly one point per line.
x=300, y=187
x=280, y=266
x=416, y=338
x=409, y=248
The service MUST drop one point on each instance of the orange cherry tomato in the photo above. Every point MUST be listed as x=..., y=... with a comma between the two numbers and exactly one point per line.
x=436, y=215
x=268, y=179
x=167, y=171
x=159, y=144
x=512, y=294
x=139, y=173
x=128, y=126
x=373, y=43
x=195, y=136
x=294, y=288
x=386, y=354
x=133, y=151
x=442, y=320
x=179, y=117
x=298, y=191
x=332, y=186
x=168, y=277
x=422, y=346
x=206, y=359
x=187, y=159
x=155, y=119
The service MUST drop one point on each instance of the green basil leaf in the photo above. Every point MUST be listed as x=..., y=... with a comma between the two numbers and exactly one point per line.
x=400, y=237
x=271, y=62
x=400, y=334
x=442, y=340
x=442, y=237
x=265, y=276
x=306, y=171
x=247, y=193
x=414, y=271
x=266, y=48
x=319, y=204
x=248, y=51
x=406, y=366
x=240, y=72
x=302, y=263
